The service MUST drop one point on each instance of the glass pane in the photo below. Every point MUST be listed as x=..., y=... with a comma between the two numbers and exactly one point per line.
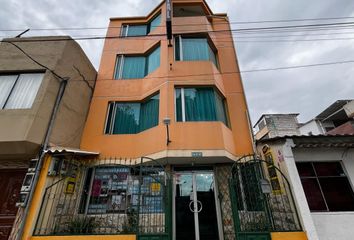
x=177, y=49
x=178, y=105
x=338, y=193
x=134, y=67
x=137, y=30
x=313, y=194
x=109, y=118
x=305, y=169
x=124, y=31
x=25, y=91
x=206, y=204
x=220, y=109
x=118, y=66
x=328, y=169
x=195, y=49
x=184, y=216
x=155, y=22
x=212, y=56
x=127, y=118
x=153, y=60
x=199, y=104
x=6, y=84
x=149, y=113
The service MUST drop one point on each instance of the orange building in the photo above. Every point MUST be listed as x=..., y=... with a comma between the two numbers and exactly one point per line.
x=167, y=123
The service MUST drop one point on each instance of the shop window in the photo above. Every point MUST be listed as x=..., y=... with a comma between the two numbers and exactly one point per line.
x=194, y=48
x=131, y=67
x=200, y=104
x=132, y=117
x=19, y=91
x=132, y=30
x=115, y=189
x=326, y=186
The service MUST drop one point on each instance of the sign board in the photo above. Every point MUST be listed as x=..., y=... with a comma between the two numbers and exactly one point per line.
x=197, y=154
x=169, y=19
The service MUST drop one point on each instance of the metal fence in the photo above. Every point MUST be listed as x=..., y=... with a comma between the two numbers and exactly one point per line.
x=113, y=196
x=262, y=198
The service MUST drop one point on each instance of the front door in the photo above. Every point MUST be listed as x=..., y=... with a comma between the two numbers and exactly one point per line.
x=10, y=185
x=195, y=206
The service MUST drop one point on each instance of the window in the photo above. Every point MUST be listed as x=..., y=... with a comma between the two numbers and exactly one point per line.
x=130, y=67
x=131, y=30
x=194, y=49
x=19, y=91
x=326, y=186
x=200, y=104
x=133, y=117
x=115, y=189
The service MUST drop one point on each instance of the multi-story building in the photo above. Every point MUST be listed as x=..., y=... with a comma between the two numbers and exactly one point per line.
x=32, y=72
x=164, y=142
x=276, y=125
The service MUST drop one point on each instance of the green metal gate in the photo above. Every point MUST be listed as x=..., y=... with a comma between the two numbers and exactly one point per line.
x=259, y=206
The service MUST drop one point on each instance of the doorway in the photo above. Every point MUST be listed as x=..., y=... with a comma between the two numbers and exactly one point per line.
x=195, y=206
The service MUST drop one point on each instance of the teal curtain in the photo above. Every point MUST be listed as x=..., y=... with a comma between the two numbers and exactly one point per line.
x=178, y=105
x=127, y=118
x=212, y=56
x=199, y=104
x=137, y=30
x=220, y=106
x=153, y=60
x=177, y=49
x=149, y=113
x=155, y=23
x=195, y=49
x=134, y=67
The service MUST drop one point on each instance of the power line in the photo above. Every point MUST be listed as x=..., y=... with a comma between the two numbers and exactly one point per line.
x=196, y=24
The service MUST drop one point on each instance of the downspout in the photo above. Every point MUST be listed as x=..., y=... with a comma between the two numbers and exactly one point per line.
x=41, y=155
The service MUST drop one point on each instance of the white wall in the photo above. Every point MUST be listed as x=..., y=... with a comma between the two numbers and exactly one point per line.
x=311, y=126
x=331, y=225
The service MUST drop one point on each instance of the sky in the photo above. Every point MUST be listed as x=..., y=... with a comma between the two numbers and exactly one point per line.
x=307, y=90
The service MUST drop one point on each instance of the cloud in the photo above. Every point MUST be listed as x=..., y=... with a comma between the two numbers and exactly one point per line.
x=306, y=91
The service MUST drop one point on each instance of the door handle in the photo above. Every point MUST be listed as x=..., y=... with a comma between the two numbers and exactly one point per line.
x=195, y=210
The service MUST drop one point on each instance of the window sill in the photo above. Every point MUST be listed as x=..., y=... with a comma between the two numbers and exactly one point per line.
x=333, y=213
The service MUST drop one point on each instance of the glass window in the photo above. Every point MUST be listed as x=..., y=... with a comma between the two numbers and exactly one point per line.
x=200, y=104
x=19, y=91
x=133, y=67
x=326, y=186
x=131, y=118
x=115, y=189
x=133, y=30
x=194, y=49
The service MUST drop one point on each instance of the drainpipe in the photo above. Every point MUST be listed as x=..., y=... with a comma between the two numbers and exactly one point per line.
x=41, y=155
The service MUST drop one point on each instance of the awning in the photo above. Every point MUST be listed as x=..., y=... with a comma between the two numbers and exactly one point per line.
x=64, y=150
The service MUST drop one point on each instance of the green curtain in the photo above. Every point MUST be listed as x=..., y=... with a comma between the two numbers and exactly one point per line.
x=155, y=23
x=137, y=30
x=127, y=118
x=177, y=49
x=149, y=113
x=199, y=104
x=220, y=109
x=195, y=49
x=134, y=67
x=178, y=105
x=153, y=60
x=212, y=56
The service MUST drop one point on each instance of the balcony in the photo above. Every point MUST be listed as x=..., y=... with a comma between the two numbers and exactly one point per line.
x=193, y=24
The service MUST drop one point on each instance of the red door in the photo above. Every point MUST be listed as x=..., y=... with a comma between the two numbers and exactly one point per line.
x=10, y=186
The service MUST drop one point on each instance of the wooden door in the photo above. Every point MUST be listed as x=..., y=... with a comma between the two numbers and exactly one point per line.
x=10, y=186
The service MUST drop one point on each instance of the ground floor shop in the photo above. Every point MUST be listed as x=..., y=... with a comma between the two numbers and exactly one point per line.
x=153, y=200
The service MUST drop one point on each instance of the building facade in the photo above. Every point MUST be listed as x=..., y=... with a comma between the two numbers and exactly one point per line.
x=28, y=92
x=164, y=145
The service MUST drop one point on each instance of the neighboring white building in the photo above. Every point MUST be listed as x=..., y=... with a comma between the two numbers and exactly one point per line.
x=320, y=170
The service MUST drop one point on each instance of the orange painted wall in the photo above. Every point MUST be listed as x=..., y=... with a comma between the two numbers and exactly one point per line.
x=184, y=136
x=288, y=236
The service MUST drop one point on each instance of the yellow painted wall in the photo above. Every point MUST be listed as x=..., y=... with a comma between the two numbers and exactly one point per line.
x=91, y=237
x=171, y=73
x=37, y=199
x=288, y=236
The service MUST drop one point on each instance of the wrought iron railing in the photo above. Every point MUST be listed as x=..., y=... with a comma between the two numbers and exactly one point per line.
x=112, y=196
x=262, y=197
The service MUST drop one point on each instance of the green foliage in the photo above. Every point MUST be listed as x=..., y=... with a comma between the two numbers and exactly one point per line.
x=82, y=225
